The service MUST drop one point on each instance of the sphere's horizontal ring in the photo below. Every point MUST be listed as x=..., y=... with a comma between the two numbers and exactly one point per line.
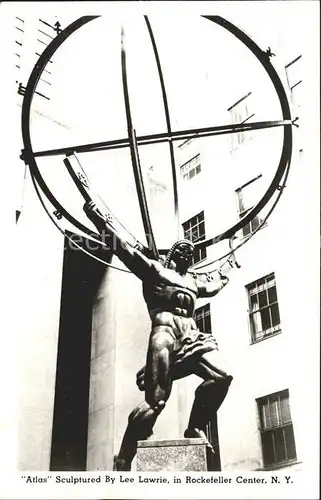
x=179, y=135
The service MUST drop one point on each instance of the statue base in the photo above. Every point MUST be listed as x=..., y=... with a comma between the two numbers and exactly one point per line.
x=173, y=455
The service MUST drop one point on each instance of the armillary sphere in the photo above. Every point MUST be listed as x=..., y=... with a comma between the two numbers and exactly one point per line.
x=133, y=142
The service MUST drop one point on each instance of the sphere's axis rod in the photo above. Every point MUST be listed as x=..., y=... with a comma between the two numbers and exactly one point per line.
x=179, y=135
x=168, y=122
x=135, y=156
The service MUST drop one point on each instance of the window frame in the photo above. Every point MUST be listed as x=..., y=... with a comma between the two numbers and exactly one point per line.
x=242, y=212
x=292, y=85
x=273, y=430
x=204, y=313
x=273, y=329
x=202, y=251
x=186, y=171
x=241, y=137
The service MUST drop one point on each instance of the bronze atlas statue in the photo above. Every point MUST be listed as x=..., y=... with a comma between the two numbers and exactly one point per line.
x=176, y=347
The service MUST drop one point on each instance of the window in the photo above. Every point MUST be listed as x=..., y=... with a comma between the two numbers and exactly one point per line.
x=34, y=45
x=45, y=34
x=240, y=113
x=19, y=35
x=293, y=74
x=264, y=308
x=246, y=198
x=194, y=230
x=278, y=444
x=203, y=319
x=191, y=168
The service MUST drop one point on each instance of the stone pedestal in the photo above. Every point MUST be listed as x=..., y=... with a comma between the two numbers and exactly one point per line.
x=173, y=455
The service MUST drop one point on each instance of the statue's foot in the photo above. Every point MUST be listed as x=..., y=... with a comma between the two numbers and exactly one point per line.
x=198, y=433
x=121, y=464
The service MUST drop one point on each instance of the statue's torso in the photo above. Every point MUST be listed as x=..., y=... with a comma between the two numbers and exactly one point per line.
x=171, y=299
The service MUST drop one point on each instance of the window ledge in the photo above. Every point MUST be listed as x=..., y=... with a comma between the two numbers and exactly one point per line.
x=280, y=466
x=266, y=337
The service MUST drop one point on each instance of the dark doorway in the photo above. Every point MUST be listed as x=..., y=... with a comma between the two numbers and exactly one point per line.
x=80, y=280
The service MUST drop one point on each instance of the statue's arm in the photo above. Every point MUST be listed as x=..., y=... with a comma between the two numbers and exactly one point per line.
x=132, y=257
x=211, y=287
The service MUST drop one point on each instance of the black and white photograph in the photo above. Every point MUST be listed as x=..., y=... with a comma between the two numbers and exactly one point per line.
x=164, y=272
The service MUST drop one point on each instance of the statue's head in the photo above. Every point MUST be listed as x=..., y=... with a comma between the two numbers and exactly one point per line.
x=181, y=254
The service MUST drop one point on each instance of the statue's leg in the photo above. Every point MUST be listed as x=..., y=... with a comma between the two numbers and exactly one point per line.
x=157, y=384
x=158, y=371
x=140, y=426
x=210, y=394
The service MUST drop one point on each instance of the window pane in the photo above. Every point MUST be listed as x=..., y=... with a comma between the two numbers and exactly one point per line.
x=272, y=294
x=207, y=326
x=254, y=302
x=193, y=221
x=262, y=299
x=275, y=315
x=268, y=449
x=265, y=416
x=265, y=318
x=199, y=218
x=195, y=234
x=241, y=202
x=203, y=319
x=201, y=229
x=246, y=229
x=194, y=230
x=187, y=234
x=273, y=409
x=256, y=322
x=279, y=443
x=290, y=442
x=285, y=410
x=199, y=323
x=255, y=223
